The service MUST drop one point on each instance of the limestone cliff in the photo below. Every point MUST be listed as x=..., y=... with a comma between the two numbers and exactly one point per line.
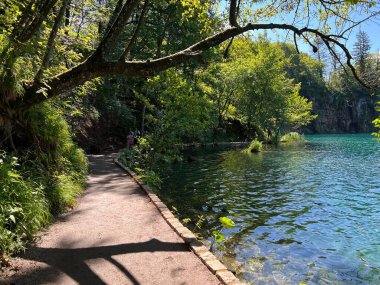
x=339, y=115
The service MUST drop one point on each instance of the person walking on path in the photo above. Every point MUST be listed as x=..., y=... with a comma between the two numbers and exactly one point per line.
x=130, y=140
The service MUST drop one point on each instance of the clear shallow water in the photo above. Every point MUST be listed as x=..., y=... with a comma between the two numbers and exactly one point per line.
x=309, y=213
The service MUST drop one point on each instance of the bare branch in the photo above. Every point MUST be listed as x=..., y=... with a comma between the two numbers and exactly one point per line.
x=226, y=51
x=295, y=42
x=360, y=22
x=315, y=49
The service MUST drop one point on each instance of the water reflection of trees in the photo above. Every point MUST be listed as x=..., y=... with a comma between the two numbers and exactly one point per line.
x=229, y=183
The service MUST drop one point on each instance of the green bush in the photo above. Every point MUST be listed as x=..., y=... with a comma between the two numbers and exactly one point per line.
x=63, y=165
x=255, y=146
x=138, y=156
x=149, y=151
x=44, y=181
x=292, y=137
x=23, y=207
x=152, y=179
x=63, y=192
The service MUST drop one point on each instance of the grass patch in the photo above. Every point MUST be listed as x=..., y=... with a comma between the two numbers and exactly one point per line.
x=292, y=137
x=255, y=146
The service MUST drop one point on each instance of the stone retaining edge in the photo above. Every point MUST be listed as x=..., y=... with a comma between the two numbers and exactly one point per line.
x=200, y=250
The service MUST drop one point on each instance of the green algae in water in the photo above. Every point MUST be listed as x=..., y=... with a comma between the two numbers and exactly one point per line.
x=303, y=214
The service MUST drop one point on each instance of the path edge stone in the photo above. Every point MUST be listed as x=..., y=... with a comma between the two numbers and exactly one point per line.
x=201, y=251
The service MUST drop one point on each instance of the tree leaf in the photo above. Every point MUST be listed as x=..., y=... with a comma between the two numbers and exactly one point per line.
x=218, y=236
x=227, y=222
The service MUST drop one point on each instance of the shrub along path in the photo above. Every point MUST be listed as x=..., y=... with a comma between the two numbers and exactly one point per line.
x=115, y=235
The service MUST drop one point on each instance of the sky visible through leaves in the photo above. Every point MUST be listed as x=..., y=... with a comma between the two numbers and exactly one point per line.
x=371, y=27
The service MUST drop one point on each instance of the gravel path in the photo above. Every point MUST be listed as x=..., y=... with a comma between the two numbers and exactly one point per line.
x=115, y=235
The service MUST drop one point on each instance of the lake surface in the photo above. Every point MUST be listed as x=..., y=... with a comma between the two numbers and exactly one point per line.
x=304, y=214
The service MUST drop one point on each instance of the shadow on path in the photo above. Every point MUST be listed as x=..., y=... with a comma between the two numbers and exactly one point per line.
x=105, y=240
x=73, y=261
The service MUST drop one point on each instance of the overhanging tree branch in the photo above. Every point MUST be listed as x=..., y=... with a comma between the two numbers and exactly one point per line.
x=90, y=69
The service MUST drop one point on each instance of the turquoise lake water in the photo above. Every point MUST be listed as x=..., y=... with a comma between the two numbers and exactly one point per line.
x=304, y=214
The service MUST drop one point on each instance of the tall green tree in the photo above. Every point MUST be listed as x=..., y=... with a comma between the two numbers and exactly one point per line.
x=182, y=112
x=265, y=95
x=254, y=87
x=361, y=53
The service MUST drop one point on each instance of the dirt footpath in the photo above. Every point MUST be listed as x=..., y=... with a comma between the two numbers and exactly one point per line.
x=115, y=235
